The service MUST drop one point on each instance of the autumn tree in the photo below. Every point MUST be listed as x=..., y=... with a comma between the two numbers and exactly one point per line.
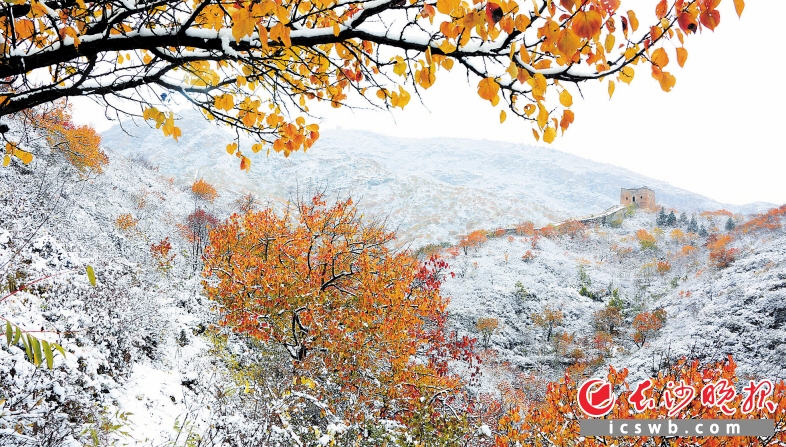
x=474, y=239
x=609, y=319
x=647, y=324
x=721, y=255
x=646, y=240
x=258, y=65
x=351, y=313
x=548, y=319
x=202, y=190
x=487, y=326
x=80, y=145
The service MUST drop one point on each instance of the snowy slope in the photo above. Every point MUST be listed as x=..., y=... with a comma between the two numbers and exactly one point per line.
x=431, y=189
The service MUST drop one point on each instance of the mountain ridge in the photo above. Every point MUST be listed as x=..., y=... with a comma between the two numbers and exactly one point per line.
x=431, y=189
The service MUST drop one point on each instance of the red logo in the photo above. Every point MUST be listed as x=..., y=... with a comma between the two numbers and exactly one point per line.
x=596, y=397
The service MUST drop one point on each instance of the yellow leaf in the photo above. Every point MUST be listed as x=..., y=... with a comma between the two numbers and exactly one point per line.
x=565, y=99
x=502, y=116
x=447, y=64
x=488, y=89
x=25, y=156
x=400, y=67
x=6, y=160
x=611, y=88
x=609, y=43
x=231, y=148
x=243, y=24
x=634, y=22
x=739, y=5
x=549, y=134
x=536, y=134
x=626, y=74
x=682, y=56
x=543, y=115
x=529, y=109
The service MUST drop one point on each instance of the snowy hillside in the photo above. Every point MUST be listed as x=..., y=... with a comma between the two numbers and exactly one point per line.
x=143, y=366
x=432, y=189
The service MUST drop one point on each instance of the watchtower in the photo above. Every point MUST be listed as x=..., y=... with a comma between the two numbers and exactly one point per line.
x=643, y=197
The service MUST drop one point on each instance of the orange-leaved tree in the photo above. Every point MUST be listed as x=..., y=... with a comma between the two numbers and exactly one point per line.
x=258, y=65
x=202, y=190
x=647, y=324
x=81, y=145
x=349, y=311
x=720, y=253
x=555, y=421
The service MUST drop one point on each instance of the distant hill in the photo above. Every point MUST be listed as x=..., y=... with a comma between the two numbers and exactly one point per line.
x=431, y=189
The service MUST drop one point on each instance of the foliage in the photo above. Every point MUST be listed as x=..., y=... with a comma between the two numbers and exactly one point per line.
x=321, y=284
x=548, y=319
x=525, y=229
x=769, y=221
x=730, y=224
x=81, y=145
x=202, y=190
x=646, y=240
x=255, y=65
x=720, y=254
x=608, y=319
x=572, y=228
x=549, y=231
x=555, y=420
x=663, y=267
x=475, y=240
x=528, y=256
x=487, y=326
x=647, y=324
x=162, y=254
x=126, y=222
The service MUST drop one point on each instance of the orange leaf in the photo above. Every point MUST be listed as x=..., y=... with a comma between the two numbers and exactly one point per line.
x=739, y=5
x=710, y=18
x=661, y=9
x=586, y=24
x=634, y=22
x=568, y=42
x=611, y=88
x=682, y=56
x=660, y=58
x=687, y=22
x=567, y=119
x=488, y=89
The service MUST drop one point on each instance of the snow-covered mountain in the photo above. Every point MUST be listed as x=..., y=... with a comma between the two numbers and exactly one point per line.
x=431, y=189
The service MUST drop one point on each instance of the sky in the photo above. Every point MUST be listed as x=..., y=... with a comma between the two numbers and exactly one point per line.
x=717, y=133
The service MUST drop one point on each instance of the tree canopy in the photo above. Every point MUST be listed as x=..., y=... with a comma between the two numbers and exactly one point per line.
x=257, y=65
